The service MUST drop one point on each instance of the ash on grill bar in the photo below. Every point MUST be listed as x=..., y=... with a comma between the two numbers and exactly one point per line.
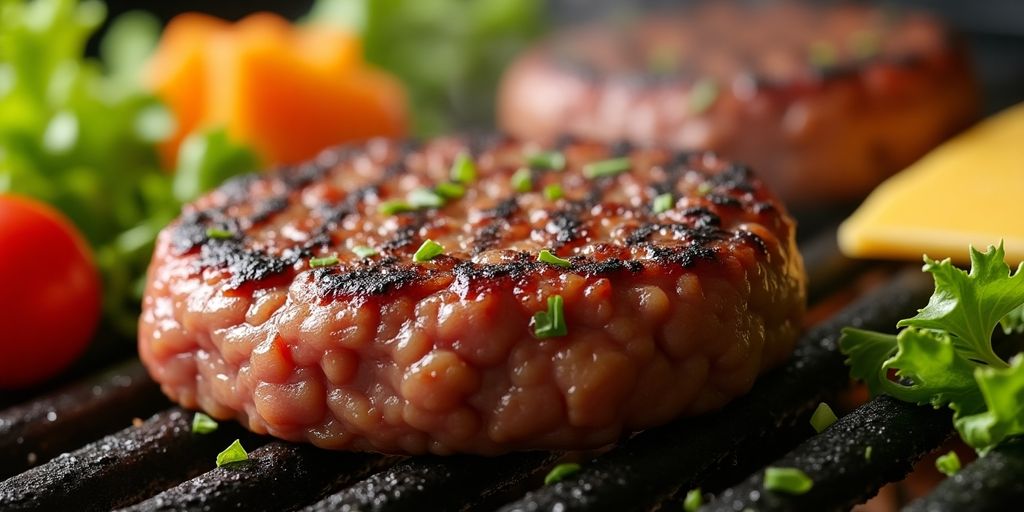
x=531, y=255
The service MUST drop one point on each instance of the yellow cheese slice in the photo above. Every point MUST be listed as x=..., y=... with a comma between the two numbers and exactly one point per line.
x=969, y=191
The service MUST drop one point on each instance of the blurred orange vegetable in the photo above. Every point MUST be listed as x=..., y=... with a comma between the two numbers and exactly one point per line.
x=287, y=91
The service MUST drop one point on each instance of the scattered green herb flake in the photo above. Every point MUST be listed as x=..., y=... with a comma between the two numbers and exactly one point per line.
x=553, y=192
x=522, y=180
x=694, y=500
x=425, y=198
x=363, y=251
x=551, y=323
x=326, y=261
x=662, y=203
x=547, y=257
x=823, y=54
x=704, y=188
x=606, y=168
x=944, y=354
x=395, y=206
x=203, y=424
x=463, y=169
x=559, y=472
x=428, y=251
x=867, y=453
x=219, y=234
x=550, y=160
x=866, y=44
x=232, y=454
x=948, y=464
x=702, y=96
x=663, y=60
x=450, y=190
x=822, y=418
x=787, y=480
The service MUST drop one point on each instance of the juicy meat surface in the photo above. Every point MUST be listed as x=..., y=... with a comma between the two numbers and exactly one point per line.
x=669, y=311
x=824, y=102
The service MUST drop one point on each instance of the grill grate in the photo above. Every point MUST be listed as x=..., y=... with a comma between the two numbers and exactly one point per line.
x=160, y=465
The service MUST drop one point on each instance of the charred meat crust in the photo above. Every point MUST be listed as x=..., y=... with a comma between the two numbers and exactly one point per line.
x=698, y=233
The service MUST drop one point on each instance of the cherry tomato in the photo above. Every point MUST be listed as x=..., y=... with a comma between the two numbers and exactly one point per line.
x=49, y=293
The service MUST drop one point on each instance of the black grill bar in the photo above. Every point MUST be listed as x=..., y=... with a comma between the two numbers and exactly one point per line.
x=445, y=483
x=277, y=476
x=662, y=462
x=37, y=431
x=119, y=469
x=994, y=483
x=838, y=461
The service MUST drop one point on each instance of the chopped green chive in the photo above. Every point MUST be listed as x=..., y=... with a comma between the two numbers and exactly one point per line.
x=546, y=257
x=606, y=168
x=552, y=160
x=463, y=169
x=704, y=188
x=219, y=234
x=787, y=480
x=867, y=453
x=866, y=44
x=203, y=424
x=662, y=203
x=553, y=192
x=694, y=500
x=823, y=54
x=551, y=323
x=425, y=198
x=363, y=251
x=522, y=180
x=822, y=418
x=428, y=251
x=394, y=206
x=450, y=190
x=702, y=96
x=663, y=60
x=559, y=472
x=948, y=464
x=323, y=262
x=233, y=453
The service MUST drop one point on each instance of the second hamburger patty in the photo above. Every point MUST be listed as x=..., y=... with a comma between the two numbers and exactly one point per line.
x=391, y=297
x=824, y=101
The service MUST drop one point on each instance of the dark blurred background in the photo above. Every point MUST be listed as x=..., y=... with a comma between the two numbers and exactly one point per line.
x=994, y=29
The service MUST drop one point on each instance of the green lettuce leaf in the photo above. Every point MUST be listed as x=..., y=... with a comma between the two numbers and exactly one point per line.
x=1003, y=392
x=867, y=352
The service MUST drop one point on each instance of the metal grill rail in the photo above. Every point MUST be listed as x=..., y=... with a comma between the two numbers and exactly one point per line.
x=160, y=465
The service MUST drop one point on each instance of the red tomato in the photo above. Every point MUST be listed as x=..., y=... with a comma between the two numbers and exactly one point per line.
x=49, y=293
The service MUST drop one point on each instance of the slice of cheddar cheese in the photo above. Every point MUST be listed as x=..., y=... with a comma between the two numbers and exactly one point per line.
x=969, y=191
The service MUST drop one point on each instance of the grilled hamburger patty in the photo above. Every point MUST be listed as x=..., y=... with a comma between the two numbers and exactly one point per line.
x=665, y=313
x=825, y=102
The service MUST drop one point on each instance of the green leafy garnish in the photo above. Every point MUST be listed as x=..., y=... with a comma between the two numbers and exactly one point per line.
x=394, y=206
x=948, y=464
x=822, y=418
x=232, y=454
x=425, y=198
x=559, y=472
x=944, y=354
x=323, y=262
x=606, y=168
x=463, y=169
x=702, y=96
x=551, y=323
x=522, y=180
x=219, y=234
x=551, y=160
x=694, y=500
x=428, y=251
x=787, y=480
x=203, y=424
x=553, y=192
x=363, y=251
x=662, y=203
x=206, y=159
x=450, y=190
x=548, y=257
